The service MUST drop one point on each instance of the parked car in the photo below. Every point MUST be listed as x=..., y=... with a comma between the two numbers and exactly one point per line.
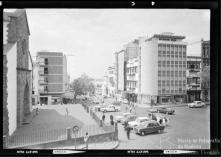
x=98, y=107
x=148, y=127
x=165, y=110
x=124, y=101
x=128, y=118
x=153, y=110
x=110, y=108
x=196, y=104
x=119, y=118
x=138, y=121
x=117, y=103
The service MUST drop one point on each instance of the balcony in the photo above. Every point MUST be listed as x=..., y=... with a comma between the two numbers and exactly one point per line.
x=43, y=91
x=42, y=81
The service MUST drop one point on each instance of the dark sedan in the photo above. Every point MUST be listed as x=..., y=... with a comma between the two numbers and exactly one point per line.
x=165, y=110
x=149, y=127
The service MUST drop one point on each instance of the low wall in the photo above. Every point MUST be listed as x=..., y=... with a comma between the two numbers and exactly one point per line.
x=71, y=142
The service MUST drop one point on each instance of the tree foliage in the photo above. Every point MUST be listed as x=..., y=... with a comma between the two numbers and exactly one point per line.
x=83, y=85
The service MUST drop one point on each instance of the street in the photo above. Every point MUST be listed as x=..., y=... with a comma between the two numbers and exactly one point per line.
x=189, y=128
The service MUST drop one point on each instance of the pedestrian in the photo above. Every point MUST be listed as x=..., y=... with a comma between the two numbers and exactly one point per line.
x=67, y=111
x=128, y=132
x=37, y=111
x=103, y=117
x=125, y=124
x=86, y=138
x=130, y=109
x=160, y=121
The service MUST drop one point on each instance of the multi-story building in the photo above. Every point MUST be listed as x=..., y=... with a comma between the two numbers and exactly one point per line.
x=163, y=68
x=36, y=98
x=17, y=97
x=109, y=85
x=120, y=74
x=193, y=85
x=52, y=76
x=98, y=83
x=154, y=69
x=205, y=81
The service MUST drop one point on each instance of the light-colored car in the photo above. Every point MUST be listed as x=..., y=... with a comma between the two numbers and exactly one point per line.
x=119, y=118
x=148, y=127
x=196, y=104
x=128, y=118
x=152, y=110
x=138, y=121
x=110, y=108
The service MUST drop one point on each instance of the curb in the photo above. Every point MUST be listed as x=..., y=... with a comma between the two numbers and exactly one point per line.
x=116, y=145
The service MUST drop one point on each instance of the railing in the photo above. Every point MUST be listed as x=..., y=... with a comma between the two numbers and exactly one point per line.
x=35, y=137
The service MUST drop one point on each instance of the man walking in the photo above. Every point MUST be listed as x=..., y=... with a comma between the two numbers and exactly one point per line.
x=67, y=111
x=86, y=137
x=128, y=132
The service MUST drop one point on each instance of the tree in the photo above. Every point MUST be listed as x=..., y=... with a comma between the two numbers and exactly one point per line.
x=82, y=85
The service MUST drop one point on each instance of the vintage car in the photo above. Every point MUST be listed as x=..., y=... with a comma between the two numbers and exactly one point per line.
x=165, y=110
x=119, y=118
x=149, y=127
x=128, y=118
x=138, y=121
x=110, y=108
x=152, y=110
x=124, y=101
x=98, y=107
x=196, y=104
x=118, y=103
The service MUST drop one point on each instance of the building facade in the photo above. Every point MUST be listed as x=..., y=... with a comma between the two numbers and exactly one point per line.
x=19, y=69
x=53, y=78
x=205, y=81
x=109, y=84
x=193, y=73
x=120, y=69
x=154, y=69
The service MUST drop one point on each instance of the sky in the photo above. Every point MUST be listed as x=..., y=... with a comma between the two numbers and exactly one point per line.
x=92, y=36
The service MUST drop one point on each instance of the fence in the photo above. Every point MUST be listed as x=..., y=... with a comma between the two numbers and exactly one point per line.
x=35, y=137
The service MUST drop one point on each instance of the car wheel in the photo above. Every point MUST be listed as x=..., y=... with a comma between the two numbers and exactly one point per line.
x=142, y=133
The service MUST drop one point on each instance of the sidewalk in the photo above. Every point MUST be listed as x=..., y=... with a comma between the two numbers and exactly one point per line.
x=101, y=145
x=158, y=106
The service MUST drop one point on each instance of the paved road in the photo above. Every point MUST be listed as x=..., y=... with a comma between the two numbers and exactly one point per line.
x=189, y=128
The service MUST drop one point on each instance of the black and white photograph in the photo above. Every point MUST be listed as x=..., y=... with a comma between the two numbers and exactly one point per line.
x=106, y=79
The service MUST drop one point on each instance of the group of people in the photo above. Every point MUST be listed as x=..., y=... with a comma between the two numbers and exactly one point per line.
x=131, y=107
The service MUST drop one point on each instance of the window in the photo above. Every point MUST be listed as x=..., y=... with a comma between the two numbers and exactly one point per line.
x=176, y=62
x=176, y=82
x=171, y=91
x=164, y=73
x=46, y=61
x=172, y=73
x=168, y=82
x=184, y=73
x=163, y=82
x=172, y=82
x=159, y=73
x=23, y=46
x=164, y=63
x=180, y=82
x=180, y=62
x=168, y=73
x=159, y=63
x=159, y=53
x=180, y=72
x=164, y=53
x=45, y=70
x=159, y=83
x=176, y=73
